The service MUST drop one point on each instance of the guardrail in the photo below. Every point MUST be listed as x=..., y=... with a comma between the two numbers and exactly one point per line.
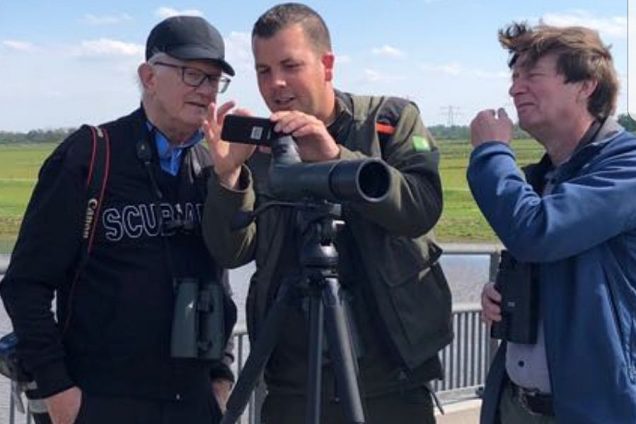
x=465, y=360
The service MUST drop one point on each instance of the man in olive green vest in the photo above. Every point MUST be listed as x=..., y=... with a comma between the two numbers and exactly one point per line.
x=388, y=266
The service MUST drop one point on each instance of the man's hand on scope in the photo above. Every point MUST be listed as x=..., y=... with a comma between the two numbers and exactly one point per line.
x=314, y=142
x=226, y=157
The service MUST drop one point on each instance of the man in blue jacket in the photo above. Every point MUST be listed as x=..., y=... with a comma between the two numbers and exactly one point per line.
x=574, y=219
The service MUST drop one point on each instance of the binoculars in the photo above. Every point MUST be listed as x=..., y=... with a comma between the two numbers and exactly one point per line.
x=198, y=324
x=519, y=301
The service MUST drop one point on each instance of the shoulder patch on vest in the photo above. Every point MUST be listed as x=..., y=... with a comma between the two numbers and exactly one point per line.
x=420, y=143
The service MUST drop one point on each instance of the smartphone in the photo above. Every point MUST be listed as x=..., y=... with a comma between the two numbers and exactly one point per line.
x=247, y=130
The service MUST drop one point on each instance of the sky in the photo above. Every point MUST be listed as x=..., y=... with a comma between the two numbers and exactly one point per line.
x=70, y=62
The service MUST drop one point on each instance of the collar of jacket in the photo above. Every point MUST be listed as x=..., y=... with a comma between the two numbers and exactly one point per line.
x=589, y=146
x=339, y=128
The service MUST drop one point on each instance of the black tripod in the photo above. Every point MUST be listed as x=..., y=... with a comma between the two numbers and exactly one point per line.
x=317, y=225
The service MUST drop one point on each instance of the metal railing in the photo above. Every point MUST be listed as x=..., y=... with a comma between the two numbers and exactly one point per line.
x=465, y=360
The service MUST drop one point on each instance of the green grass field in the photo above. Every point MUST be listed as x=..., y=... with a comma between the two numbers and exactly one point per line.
x=18, y=174
x=461, y=220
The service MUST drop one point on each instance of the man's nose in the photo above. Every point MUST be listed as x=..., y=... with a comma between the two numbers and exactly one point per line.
x=278, y=79
x=518, y=86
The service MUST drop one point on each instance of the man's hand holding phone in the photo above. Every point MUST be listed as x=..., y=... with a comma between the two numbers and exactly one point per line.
x=226, y=157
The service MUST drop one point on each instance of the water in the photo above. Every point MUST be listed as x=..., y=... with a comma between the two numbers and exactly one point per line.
x=466, y=275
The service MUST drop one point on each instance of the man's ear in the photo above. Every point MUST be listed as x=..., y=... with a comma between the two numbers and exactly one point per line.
x=587, y=88
x=146, y=76
x=328, y=60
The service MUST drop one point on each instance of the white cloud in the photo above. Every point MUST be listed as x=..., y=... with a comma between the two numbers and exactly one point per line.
x=238, y=51
x=54, y=94
x=611, y=27
x=371, y=75
x=374, y=76
x=387, y=51
x=23, y=46
x=91, y=19
x=166, y=12
x=342, y=59
x=448, y=68
x=490, y=75
x=105, y=47
x=456, y=69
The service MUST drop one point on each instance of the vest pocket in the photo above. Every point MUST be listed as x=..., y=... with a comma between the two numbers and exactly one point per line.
x=418, y=290
x=402, y=261
x=423, y=305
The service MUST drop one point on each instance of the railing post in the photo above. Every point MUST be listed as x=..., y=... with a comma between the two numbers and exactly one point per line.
x=11, y=409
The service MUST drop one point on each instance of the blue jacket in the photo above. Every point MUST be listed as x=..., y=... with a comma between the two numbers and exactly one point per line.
x=583, y=237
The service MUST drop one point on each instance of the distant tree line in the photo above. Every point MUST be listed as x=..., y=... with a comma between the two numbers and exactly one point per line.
x=627, y=122
x=440, y=132
x=462, y=132
x=36, y=136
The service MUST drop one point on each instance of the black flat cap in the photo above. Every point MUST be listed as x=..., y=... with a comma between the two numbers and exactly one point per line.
x=188, y=38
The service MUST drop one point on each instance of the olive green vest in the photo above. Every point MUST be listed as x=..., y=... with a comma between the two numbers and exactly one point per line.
x=411, y=292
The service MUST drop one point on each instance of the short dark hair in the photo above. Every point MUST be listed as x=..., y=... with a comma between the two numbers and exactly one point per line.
x=285, y=14
x=581, y=55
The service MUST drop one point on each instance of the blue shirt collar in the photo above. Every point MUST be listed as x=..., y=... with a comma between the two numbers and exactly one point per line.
x=170, y=155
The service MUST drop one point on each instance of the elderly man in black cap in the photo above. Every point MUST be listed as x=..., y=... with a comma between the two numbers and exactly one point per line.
x=143, y=314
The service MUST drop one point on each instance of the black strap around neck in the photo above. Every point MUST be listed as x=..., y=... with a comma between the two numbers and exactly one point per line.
x=144, y=154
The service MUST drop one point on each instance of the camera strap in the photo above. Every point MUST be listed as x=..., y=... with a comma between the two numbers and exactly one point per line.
x=96, y=181
x=98, y=173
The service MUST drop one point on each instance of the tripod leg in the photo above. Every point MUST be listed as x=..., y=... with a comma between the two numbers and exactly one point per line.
x=341, y=351
x=314, y=365
x=260, y=352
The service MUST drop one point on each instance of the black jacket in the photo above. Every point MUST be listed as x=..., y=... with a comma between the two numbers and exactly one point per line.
x=119, y=312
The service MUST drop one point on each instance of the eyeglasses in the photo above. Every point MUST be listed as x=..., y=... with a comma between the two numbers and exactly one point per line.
x=194, y=77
